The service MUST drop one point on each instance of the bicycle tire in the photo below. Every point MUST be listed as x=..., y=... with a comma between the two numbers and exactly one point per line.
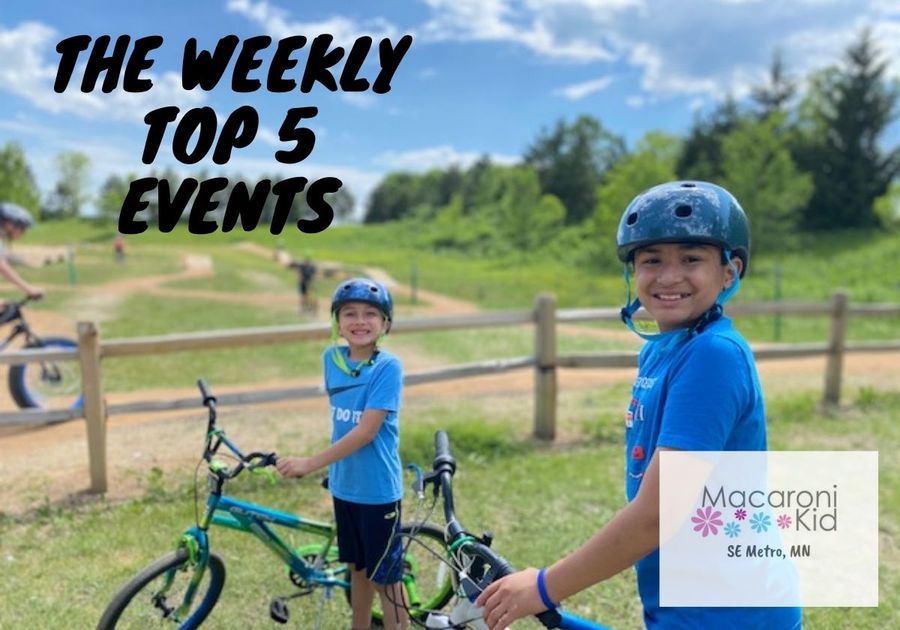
x=426, y=568
x=148, y=614
x=66, y=388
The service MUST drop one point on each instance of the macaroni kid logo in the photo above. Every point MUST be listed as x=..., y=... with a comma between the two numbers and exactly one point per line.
x=748, y=515
x=802, y=510
x=758, y=528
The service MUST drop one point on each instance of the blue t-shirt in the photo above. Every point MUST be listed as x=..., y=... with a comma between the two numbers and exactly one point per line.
x=700, y=394
x=372, y=474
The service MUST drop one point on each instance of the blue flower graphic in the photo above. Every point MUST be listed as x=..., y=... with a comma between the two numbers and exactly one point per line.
x=760, y=522
x=732, y=529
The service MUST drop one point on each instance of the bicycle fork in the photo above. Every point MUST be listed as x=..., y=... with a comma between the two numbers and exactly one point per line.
x=196, y=544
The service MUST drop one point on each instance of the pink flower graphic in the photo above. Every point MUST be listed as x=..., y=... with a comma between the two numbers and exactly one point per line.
x=784, y=521
x=740, y=514
x=707, y=521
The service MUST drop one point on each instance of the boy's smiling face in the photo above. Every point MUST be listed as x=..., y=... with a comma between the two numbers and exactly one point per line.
x=360, y=323
x=678, y=282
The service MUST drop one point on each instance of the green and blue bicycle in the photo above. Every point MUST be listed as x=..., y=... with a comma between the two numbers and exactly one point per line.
x=182, y=587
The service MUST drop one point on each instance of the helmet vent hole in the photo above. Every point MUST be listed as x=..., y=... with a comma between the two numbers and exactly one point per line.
x=683, y=212
x=632, y=218
x=688, y=185
x=373, y=289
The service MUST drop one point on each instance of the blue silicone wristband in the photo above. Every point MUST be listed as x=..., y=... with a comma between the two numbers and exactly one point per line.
x=542, y=590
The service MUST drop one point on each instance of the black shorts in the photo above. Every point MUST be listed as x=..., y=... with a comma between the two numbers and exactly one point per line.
x=366, y=539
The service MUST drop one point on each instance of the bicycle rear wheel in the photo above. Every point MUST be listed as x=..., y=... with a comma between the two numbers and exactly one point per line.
x=142, y=604
x=47, y=384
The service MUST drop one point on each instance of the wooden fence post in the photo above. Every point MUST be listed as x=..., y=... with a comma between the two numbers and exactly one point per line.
x=545, y=367
x=834, y=360
x=94, y=403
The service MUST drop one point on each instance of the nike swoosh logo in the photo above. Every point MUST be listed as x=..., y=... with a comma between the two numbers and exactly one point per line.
x=337, y=390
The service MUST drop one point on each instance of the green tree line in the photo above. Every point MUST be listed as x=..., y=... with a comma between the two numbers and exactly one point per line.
x=814, y=162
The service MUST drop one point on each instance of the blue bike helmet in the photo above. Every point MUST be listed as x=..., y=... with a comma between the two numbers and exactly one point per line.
x=685, y=212
x=15, y=214
x=363, y=290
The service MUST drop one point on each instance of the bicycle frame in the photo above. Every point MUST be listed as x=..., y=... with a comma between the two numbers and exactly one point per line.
x=21, y=328
x=255, y=519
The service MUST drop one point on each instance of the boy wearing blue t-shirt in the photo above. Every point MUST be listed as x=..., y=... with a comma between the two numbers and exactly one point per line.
x=364, y=385
x=688, y=245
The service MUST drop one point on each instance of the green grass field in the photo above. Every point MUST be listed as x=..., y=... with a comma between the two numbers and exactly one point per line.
x=61, y=564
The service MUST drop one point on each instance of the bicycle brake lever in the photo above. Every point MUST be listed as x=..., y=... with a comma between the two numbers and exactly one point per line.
x=418, y=485
x=268, y=473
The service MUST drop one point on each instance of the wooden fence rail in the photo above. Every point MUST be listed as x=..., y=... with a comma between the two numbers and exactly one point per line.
x=92, y=351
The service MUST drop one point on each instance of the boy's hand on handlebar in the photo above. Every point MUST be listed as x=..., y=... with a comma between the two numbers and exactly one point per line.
x=510, y=598
x=35, y=293
x=295, y=466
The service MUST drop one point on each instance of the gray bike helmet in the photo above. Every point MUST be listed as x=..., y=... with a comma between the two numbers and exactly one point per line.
x=15, y=214
x=684, y=212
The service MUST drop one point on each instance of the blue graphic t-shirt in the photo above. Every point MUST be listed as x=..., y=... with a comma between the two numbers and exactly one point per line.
x=373, y=473
x=700, y=394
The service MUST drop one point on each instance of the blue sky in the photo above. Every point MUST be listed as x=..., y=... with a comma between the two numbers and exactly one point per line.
x=482, y=76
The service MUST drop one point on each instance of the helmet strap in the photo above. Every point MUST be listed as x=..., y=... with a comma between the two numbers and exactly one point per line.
x=729, y=292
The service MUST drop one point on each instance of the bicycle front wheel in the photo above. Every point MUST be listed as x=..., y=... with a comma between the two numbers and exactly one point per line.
x=147, y=601
x=47, y=384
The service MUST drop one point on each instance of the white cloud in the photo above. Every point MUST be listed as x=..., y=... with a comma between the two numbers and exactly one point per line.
x=635, y=102
x=680, y=47
x=277, y=23
x=544, y=28
x=436, y=158
x=270, y=136
x=578, y=91
x=363, y=100
x=696, y=104
x=26, y=72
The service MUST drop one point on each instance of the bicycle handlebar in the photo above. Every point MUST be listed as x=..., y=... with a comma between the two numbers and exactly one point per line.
x=494, y=565
x=204, y=391
x=18, y=304
x=216, y=437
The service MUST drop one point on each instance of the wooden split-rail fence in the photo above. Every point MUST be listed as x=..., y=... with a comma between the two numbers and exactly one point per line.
x=92, y=351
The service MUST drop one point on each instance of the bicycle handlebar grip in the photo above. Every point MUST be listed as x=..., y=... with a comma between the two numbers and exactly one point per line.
x=550, y=618
x=204, y=391
x=443, y=460
x=441, y=444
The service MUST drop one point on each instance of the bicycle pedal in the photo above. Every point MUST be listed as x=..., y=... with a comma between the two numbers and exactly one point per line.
x=278, y=610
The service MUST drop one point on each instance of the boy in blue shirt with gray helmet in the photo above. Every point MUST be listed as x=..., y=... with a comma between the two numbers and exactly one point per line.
x=687, y=245
x=364, y=384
